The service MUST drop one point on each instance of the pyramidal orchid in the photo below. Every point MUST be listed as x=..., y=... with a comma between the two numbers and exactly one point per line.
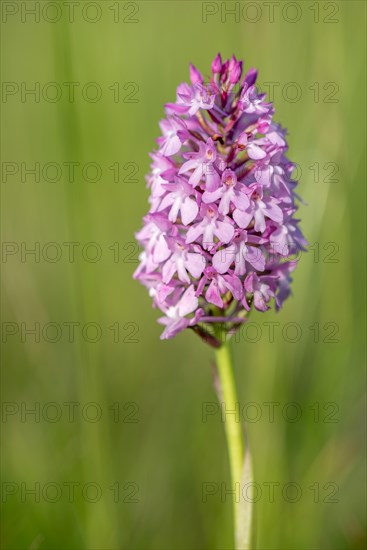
x=222, y=199
x=221, y=225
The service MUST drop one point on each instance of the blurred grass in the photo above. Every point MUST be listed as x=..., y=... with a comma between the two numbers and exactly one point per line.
x=170, y=452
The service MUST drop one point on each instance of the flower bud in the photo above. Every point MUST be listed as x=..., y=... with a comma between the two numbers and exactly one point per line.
x=217, y=64
x=195, y=75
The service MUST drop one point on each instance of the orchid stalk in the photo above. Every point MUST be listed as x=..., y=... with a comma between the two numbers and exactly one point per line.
x=221, y=226
x=233, y=429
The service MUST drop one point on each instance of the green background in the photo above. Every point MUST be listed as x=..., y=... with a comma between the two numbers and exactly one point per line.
x=163, y=459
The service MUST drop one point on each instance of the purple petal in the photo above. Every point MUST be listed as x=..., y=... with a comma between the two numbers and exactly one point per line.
x=242, y=218
x=255, y=152
x=274, y=212
x=171, y=146
x=172, y=216
x=173, y=327
x=260, y=224
x=188, y=165
x=212, y=180
x=249, y=282
x=213, y=295
x=193, y=233
x=166, y=201
x=224, y=204
x=174, y=108
x=263, y=175
x=279, y=241
x=196, y=176
x=161, y=250
x=240, y=200
x=233, y=283
x=224, y=231
x=255, y=257
x=168, y=271
x=195, y=264
x=208, y=237
x=259, y=301
x=223, y=259
x=189, y=210
x=188, y=302
x=212, y=196
x=181, y=271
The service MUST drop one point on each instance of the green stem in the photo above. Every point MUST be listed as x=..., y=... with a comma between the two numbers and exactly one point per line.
x=232, y=424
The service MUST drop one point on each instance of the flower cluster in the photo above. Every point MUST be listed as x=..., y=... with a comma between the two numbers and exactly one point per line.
x=221, y=224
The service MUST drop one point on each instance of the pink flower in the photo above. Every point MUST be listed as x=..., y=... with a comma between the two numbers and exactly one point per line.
x=260, y=208
x=242, y=252
x=203, y=163
x=182, y=261
x=210, y=227
x=174, y=134
x=219, y=285
x=192, y=98
x=175, y=319
x=222, y=205
x=251, y=102
x=230, y=192
x=261, y=291
x=177, y=200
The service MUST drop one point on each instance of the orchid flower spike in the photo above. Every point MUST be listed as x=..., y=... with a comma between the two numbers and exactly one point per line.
x=221, y=222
